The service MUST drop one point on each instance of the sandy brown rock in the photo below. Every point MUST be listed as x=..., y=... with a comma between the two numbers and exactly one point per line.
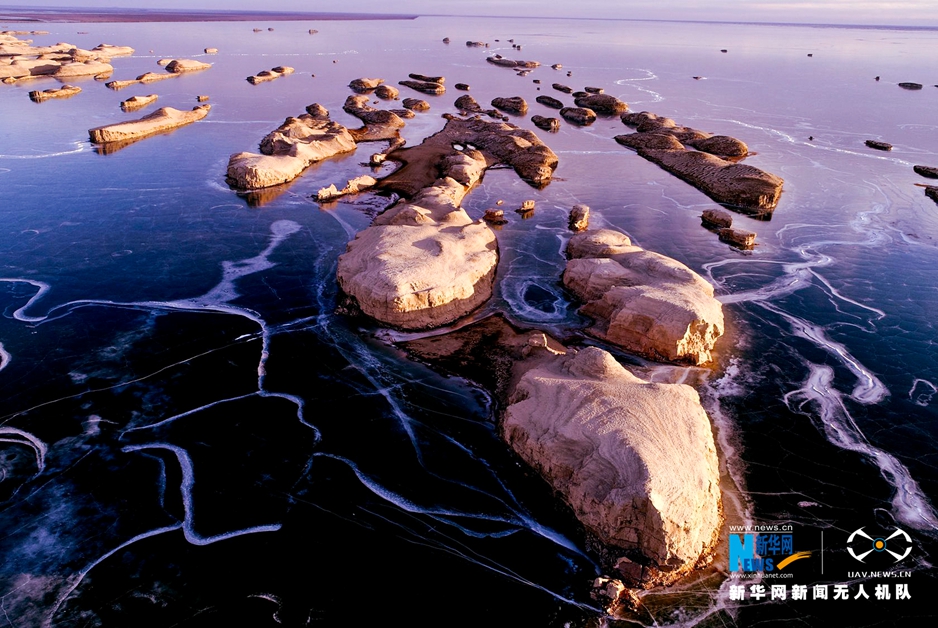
x=425, y=87
x=88, y=68
x=513, y=104
x=737, y=237
x=642, y=301
x=365, y=85
x=738, y=185
x=138, y=102
x=289, y=150
x=468, y=103
x=635, y=460
x=269, y=75
x=549, y=101
x=427, y=79
x=562, y=88
x=716, y=218
x=416, y=104
x=878, y=145
x=579, y=218
x=379, y=124
x=721, y=146
x=926, y=171
x=548, y=124
x=578, y=115
x=424, y=263
x=163, y=119
x=179, y=66
x=387, y=92
x=211, y=51
x=66, y=91
x=602, y=103
x=353, y=186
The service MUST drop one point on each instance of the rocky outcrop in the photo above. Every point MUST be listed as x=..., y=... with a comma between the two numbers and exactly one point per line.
x=635, y=460
x=427, y=79
x=86, y=68
x=513, y=104
x=511, y=63
x=463, y=87
x=66, y=91
x=416, y=104
x=387, y=92
x=878, y=145
x=740, y=186
x=365, y=85
x=379, y=124
x=144, y=79
x=926, y=171
x=353, y=186
x=578, y=115
x=289, y=150
x=548, y=124
x=425, y=87
x=211, y=51
x=549, y=101
x=911, y=86
x=562, y=88
x=138, y=102
x=163, y=119
x=497, y=142
x=579, y=218
x=642, y=301
x=737, y=237
x=180, y=66
x=716, y=219
x=602, y=103
x=468, y=103
x=424, y=263
x=269, y=75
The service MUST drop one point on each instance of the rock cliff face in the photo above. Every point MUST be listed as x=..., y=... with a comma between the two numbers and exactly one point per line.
x=635, y=460
x=424, y=262
x=289, y=150
x=163, y=119
x=709, y=169
x=642, y=301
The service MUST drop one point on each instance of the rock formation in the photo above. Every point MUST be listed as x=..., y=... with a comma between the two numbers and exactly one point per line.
x=180, y=66
x=513, y=104
x=549, y=101
x=878, y=145
x=741, y=186
x=511, y=63
x=578, y=115
x=289, y=150
x=423, y=262
x=579, y=218
x=642, y=301
x=138, y=102
x=379, y=124
x=911, y=86
x=636, y=461
x=365, y=85
x=144, y=79
x=562, y=88
x=387, y=92
x=427, y=79
x=353, y=186
x=931, y=191
x=602, y=103
x=66, y=91
x=548, y=124
x=416, y=104
x=425, y=87
x=269, y=75
x=926, y=171
x=163, y=119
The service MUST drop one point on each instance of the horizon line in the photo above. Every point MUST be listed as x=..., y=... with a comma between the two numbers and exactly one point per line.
x=35, y=14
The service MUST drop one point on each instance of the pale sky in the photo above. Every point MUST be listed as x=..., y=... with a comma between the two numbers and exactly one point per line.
x=894, y=12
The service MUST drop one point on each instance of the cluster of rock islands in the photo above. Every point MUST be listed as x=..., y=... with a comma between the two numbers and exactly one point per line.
x=635, y=460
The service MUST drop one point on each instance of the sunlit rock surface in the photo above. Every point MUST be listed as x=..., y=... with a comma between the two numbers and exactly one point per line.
x=642, y=301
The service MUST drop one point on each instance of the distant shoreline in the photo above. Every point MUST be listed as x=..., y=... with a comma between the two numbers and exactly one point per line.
x=78, y=15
